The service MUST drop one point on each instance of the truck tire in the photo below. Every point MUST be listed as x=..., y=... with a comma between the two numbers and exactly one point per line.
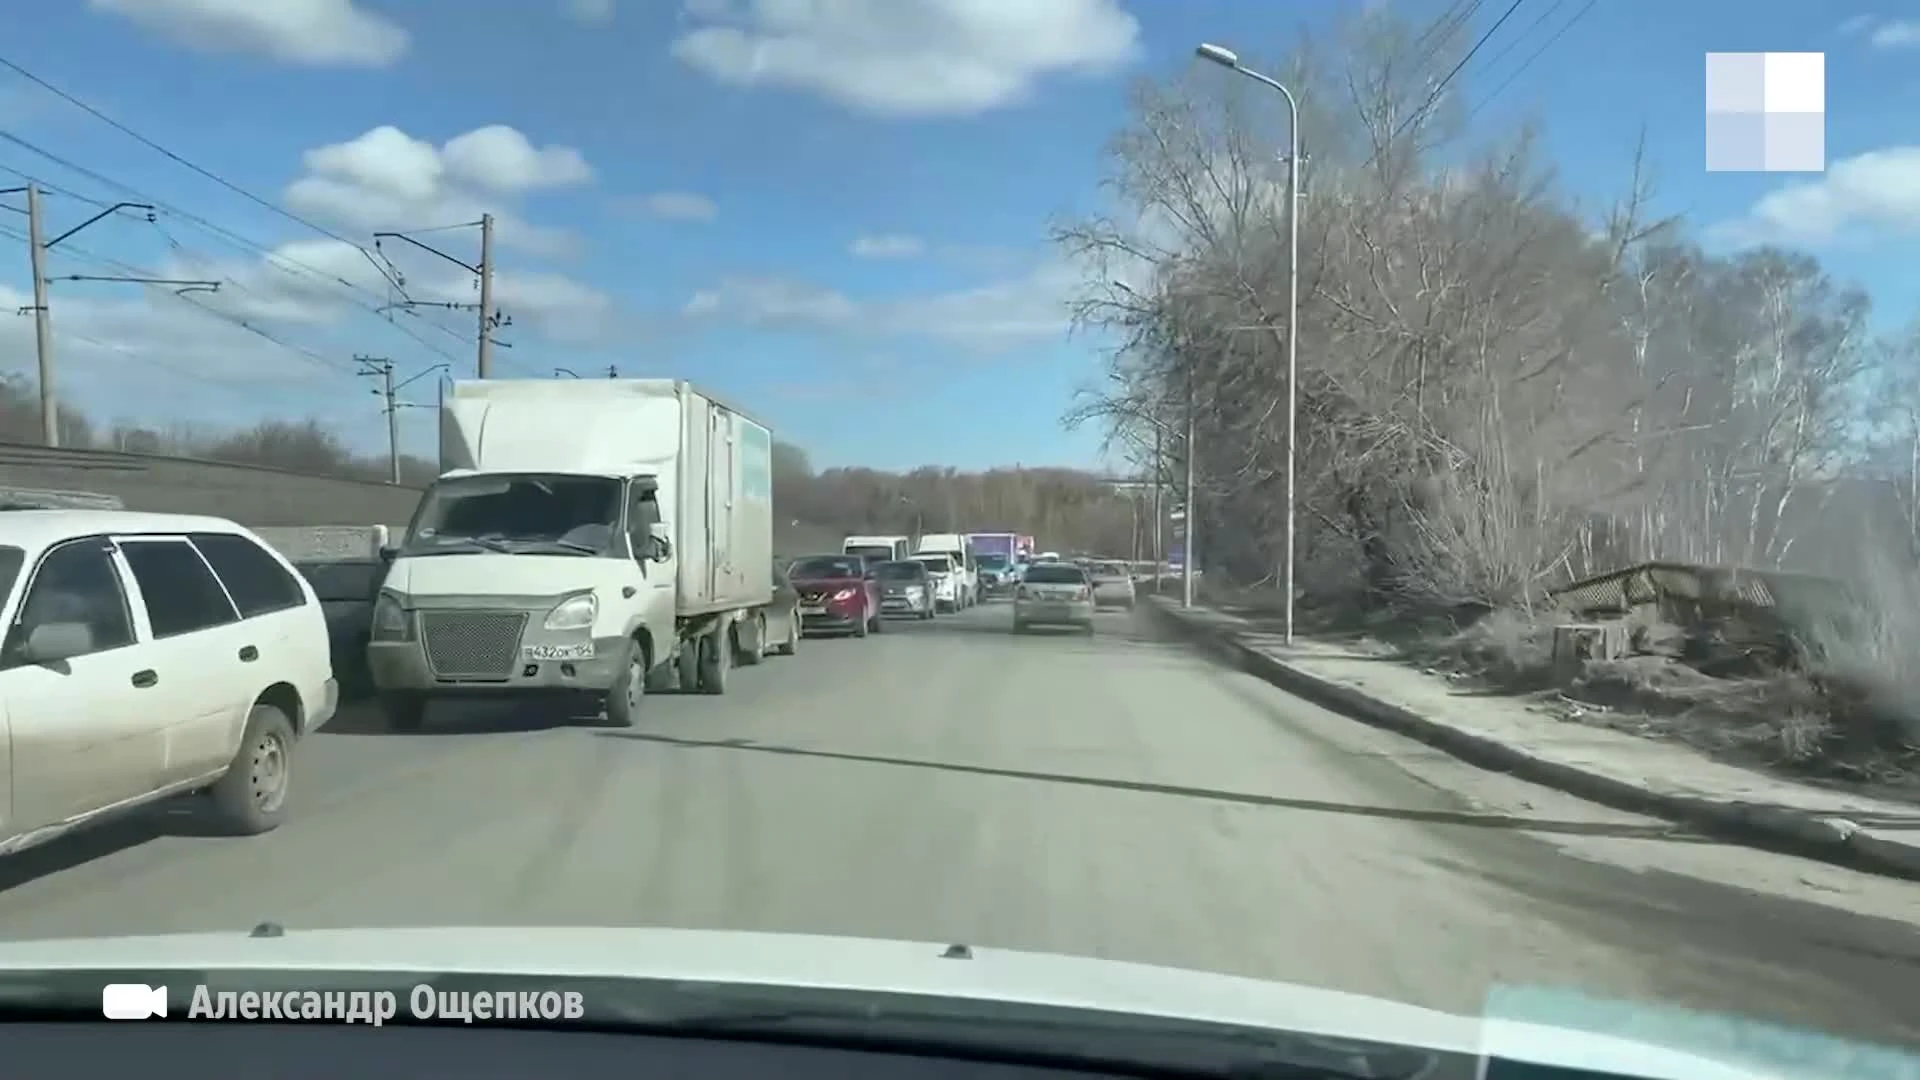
x=716, y=660
x=792, y=644
x=251, y=796
x=403, y=711
x=686, y=664
x=629, y=689
x=756, y=649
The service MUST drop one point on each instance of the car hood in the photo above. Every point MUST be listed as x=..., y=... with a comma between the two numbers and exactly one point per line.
x=833, y=584
x=904, y=967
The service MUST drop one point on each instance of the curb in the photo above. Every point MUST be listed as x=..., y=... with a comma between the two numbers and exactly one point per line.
x=1770, y=828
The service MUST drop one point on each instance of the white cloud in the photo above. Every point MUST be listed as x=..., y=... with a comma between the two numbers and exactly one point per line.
x=907, y=57
x=591, y=12
x=887, y=246
x=388, y=180
x=1029, y=307
x=311, y=33
x=672, y=206
x=1878, y=190
x=1883, y=33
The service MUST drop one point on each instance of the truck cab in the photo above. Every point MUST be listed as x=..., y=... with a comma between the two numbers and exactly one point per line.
x=591, y=540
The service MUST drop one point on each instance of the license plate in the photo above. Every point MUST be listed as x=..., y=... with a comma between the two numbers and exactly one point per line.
x=582, y=651
x=810, y=610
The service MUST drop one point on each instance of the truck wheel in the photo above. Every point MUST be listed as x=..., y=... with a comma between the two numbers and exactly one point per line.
x=716, y=659
x=251, y=797
x=792, y=644
x=686, y=664
x=756, y=650
x=629, y=688
x=403, y=712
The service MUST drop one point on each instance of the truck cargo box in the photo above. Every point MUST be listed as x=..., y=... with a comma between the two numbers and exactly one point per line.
x=713, y=465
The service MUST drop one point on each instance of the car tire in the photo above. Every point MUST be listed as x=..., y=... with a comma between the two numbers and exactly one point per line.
x=757, y=651
x=879, y=624
x=403, y=712
x=716, y=660
x=250, y=798
x=792, y=644
x=629, y=690
x=861, y=630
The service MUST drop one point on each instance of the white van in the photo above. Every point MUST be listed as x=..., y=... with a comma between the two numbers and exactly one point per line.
x=150, y=655
x=966, y=576
x=877, y=548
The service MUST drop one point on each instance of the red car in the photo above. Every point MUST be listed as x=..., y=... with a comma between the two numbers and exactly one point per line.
x=836, y=595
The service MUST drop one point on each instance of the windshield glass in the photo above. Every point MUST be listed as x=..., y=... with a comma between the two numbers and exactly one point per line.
x=1451, y=434
x=523, y=514
x=900, y=571
x=821, y=567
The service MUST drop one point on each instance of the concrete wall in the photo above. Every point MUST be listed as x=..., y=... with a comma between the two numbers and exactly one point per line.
x=254, y=496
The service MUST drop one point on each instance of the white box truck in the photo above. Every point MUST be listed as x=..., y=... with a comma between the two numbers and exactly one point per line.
x=597, y=537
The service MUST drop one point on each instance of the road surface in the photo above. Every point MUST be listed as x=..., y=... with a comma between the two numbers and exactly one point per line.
x=1117, y=796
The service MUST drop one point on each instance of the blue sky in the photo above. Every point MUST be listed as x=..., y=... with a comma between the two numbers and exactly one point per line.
x=845, y=233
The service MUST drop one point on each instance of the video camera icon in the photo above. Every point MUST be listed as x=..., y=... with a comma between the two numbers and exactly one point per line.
x=133, y=1001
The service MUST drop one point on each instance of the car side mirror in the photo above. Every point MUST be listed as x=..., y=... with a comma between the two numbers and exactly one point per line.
x=53, y=642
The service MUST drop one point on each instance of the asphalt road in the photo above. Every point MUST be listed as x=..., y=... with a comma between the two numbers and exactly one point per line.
x=1116, y=796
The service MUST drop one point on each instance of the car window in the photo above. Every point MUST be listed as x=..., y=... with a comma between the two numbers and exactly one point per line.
x=255, y=579
x=1056, y=574
x=77, y=583
x=181, y=593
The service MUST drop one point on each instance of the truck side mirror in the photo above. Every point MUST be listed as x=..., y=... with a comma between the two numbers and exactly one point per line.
x=662, y=547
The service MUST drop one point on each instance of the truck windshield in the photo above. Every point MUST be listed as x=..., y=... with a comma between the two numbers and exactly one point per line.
x=521, y=515
x=991, y=562
x=935, y=564
x=870, y=551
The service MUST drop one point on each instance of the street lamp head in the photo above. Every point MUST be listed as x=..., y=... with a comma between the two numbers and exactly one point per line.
x=1218, y=54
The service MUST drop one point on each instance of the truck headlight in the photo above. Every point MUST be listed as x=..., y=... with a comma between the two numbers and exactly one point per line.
x=574, y=613
x=390, y=622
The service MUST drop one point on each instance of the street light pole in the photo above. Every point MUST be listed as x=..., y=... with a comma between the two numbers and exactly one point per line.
x=1227, y=58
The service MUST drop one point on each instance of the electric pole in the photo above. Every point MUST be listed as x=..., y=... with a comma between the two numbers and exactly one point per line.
x=37, y=248
x=379, y=367
x=490, y=319
x=486, y=295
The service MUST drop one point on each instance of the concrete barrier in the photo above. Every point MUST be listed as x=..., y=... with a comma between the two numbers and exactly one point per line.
x=253, y=495
x=314, y=543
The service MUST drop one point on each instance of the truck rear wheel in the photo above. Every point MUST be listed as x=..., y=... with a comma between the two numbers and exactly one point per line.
x=756, y=649
x=716, y=660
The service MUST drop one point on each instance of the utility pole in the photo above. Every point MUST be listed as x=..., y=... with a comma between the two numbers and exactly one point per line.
x=486, y=296
x=37, y=248
x=1190, y=518
x=379, y=367
x=42, y=326
x=490, y=319
x=1159, y=515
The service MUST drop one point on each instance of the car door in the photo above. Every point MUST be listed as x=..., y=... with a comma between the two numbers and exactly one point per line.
x=197, y=652
x=86, y=728
x=282, y=635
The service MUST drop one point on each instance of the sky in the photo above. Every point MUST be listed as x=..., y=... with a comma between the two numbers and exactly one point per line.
x=833, y=213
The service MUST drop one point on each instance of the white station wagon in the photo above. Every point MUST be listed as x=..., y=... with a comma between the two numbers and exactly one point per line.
x=149, y=655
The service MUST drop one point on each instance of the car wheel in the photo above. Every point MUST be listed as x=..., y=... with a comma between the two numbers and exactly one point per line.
x=792, y=644
x=403, y=712
x=861, y=630
x=879, y=624
x=251, y=797
x=716, y=660
x=629, y=689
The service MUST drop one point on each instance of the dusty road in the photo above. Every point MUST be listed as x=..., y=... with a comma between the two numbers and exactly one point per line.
x=1117, y=797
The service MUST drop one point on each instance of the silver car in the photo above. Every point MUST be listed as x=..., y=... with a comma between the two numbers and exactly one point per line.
x=1054, y=594
x=906, y=589
x=1112, y=585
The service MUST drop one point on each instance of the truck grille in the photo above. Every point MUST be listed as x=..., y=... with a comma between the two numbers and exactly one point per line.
x=472, y=644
